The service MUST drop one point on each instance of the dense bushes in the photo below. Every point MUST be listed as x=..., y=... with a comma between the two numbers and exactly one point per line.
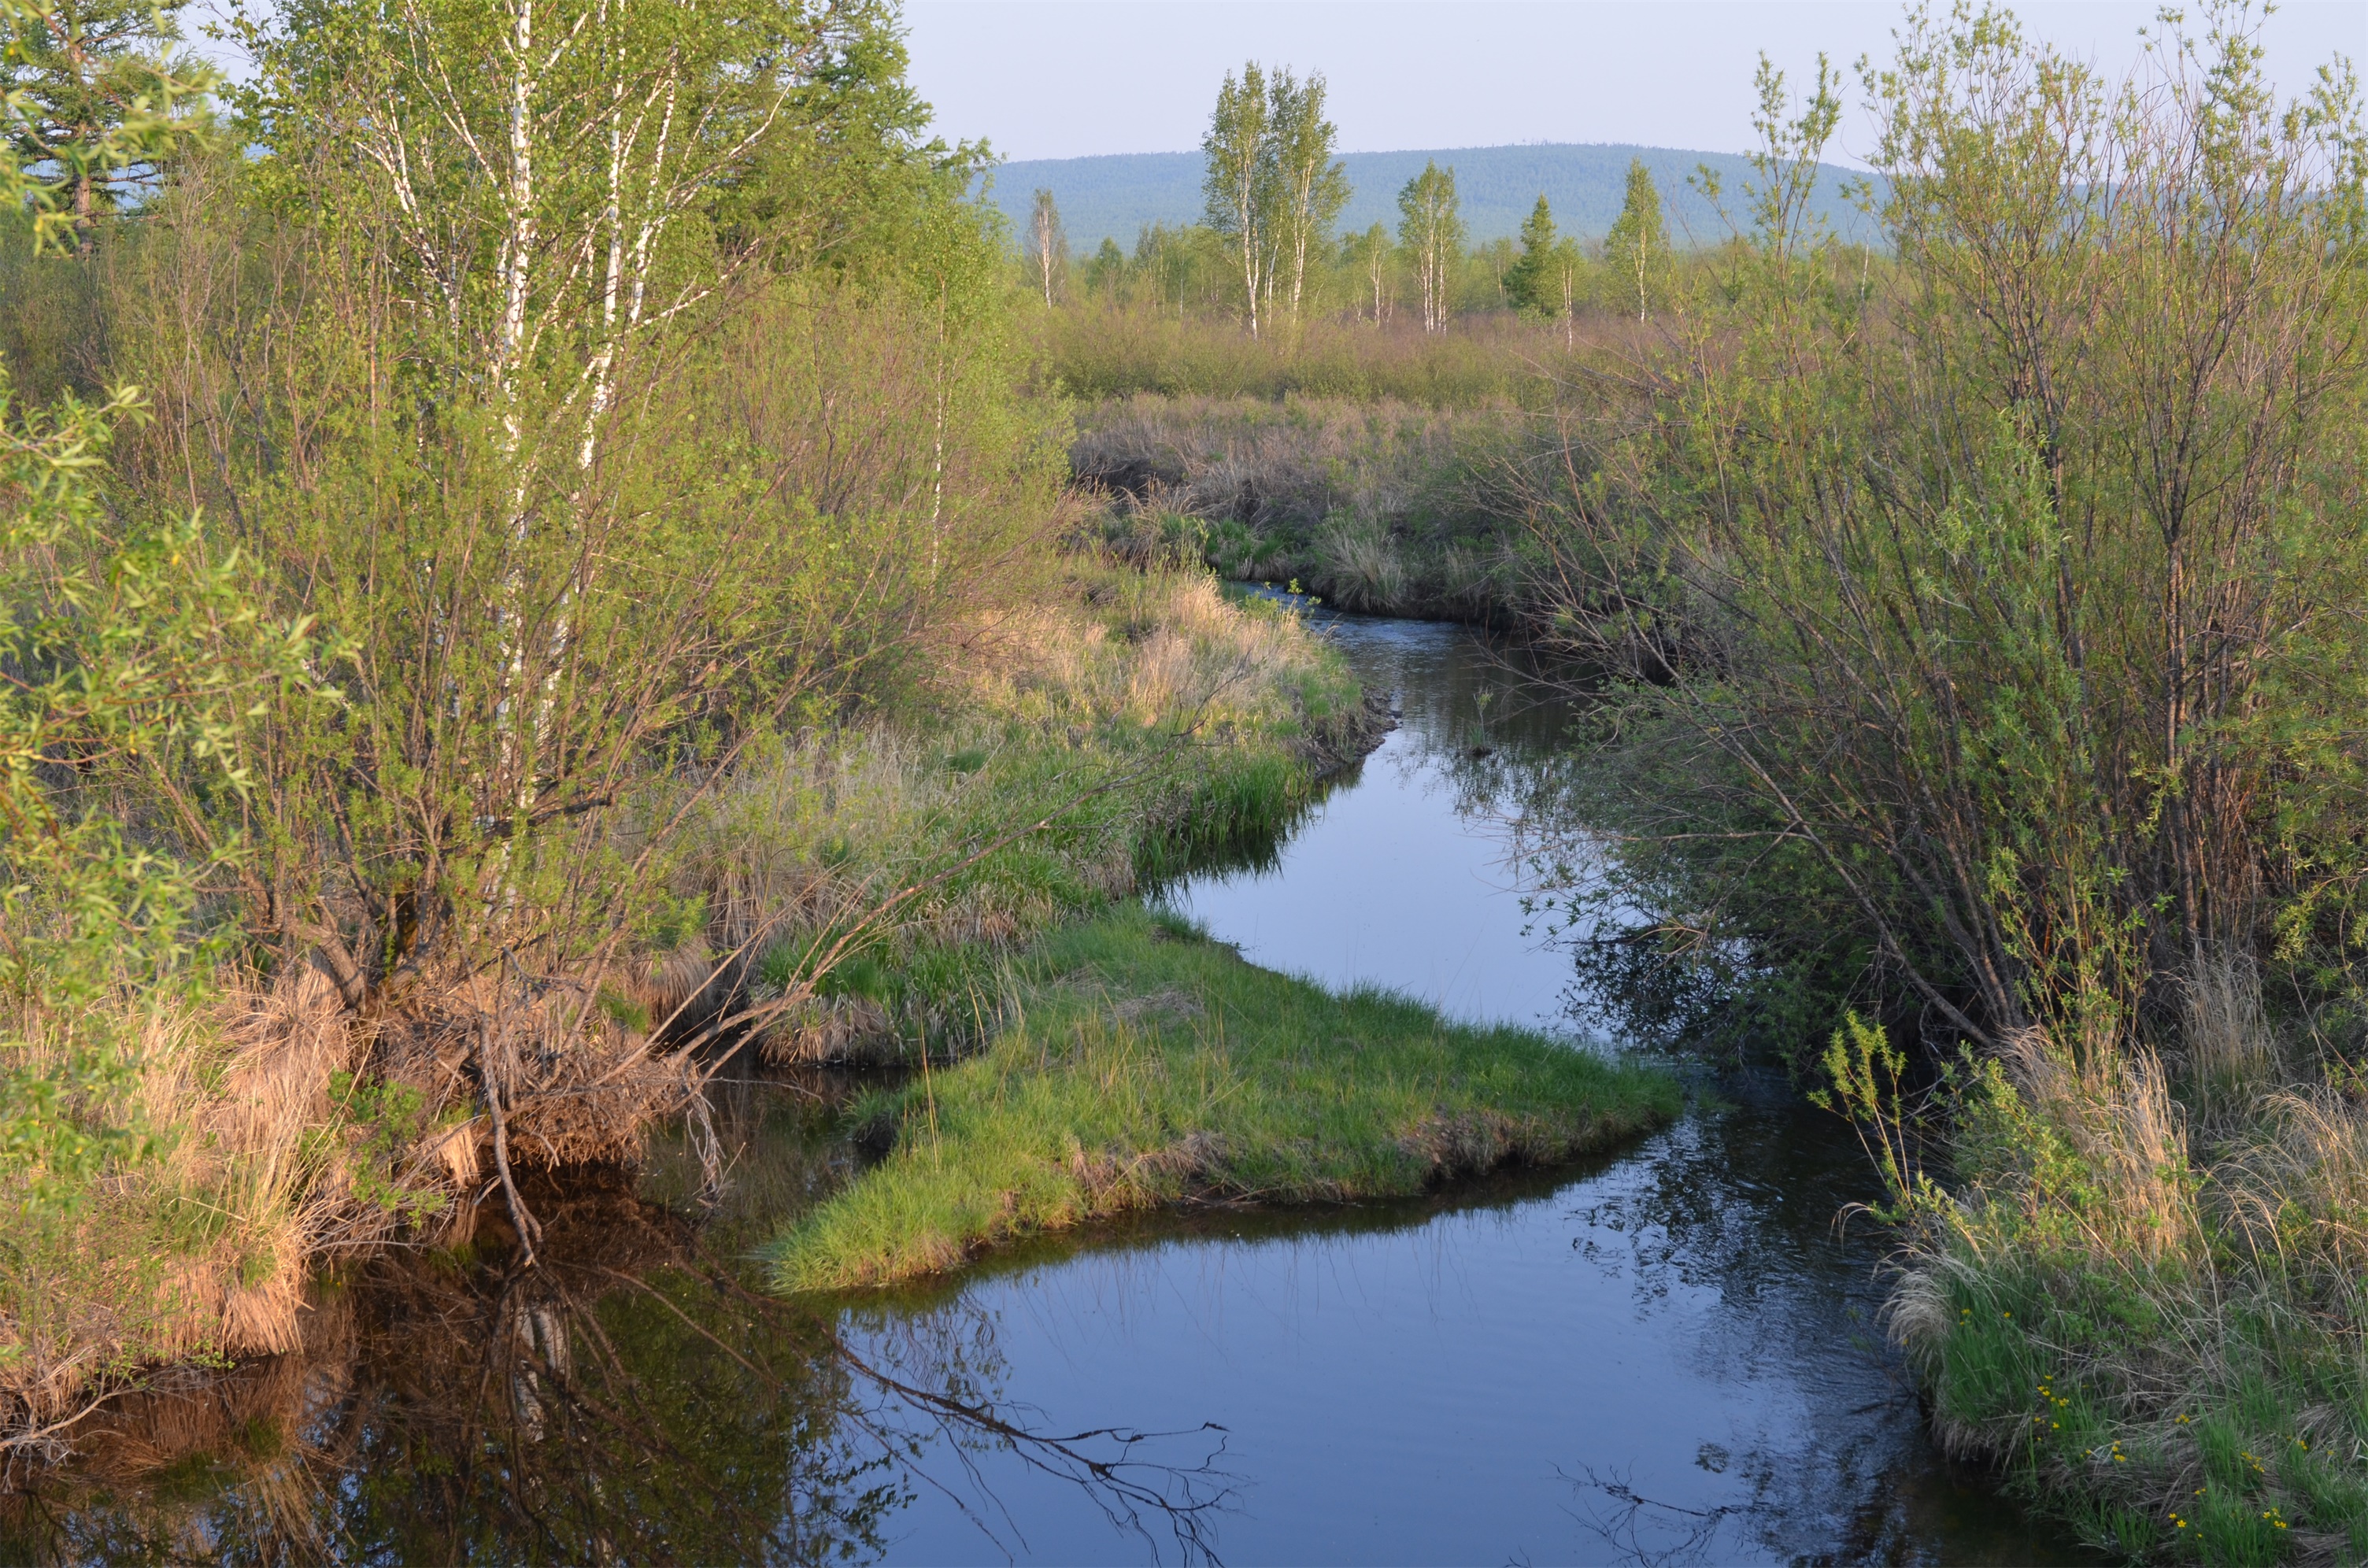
x=549, y=452
x=1996, y=625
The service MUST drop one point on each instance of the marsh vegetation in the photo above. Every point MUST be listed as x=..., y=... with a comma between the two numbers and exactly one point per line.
x=556, y=556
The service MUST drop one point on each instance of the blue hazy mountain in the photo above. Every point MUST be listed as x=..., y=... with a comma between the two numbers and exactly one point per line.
x=1117, y=195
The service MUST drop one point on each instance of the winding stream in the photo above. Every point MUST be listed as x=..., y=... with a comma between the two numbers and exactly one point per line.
x=1670, y=1355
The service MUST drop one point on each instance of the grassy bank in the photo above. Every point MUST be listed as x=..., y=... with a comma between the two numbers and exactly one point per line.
x=1134, y=722
x=1141, y=1063
x=2147, y=1302
x=1121, y=724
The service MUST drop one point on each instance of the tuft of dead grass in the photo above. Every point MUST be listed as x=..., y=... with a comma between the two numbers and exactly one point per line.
x=202, y=1241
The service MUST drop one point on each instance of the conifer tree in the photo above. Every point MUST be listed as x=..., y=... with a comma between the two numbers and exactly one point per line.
x=1638, y=245
x=1529, y=282
x=91, y=88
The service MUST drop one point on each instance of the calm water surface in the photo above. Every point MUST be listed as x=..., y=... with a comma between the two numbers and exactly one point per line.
x=1668, y=1356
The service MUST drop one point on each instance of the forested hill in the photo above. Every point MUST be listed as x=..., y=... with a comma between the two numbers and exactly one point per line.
x=1115, y=196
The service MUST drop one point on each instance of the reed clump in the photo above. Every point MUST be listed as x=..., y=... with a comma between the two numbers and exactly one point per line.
x=254, y=1148
x=2145, y=1302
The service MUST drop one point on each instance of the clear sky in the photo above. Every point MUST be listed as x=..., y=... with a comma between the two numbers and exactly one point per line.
x=1067, y=78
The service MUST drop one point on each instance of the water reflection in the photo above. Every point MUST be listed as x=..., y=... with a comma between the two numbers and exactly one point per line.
x=1410, y=870
x=1667, y=1356
x=628, y=1399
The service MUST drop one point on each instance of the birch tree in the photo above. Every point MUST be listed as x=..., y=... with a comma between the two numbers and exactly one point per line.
x=1368, y=255
x=1430, y=227
x=1048, y=245
x=1239, y=177
x=497, y=247
x=1567, y=264
x=1638, y=245
x=1310, y=185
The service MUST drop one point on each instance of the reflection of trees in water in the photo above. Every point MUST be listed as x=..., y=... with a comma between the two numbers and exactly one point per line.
x=627, y=1400
x=1480, y=720
x=1742, y=1206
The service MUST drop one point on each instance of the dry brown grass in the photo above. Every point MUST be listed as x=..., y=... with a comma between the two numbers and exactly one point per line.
x=206, y=1246
x=1264, y=464
x=2129, y=1137
x=1377, y=506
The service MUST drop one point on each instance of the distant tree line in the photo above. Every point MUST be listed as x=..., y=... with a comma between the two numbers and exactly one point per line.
x=1265, y=250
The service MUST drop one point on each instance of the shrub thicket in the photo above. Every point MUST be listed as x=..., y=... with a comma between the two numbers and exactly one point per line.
x=1994, y=626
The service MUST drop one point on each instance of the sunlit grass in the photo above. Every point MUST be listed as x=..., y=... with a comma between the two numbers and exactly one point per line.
x=1141, y=1065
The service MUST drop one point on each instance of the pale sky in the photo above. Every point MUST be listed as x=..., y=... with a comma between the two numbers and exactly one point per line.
x=1068, y=78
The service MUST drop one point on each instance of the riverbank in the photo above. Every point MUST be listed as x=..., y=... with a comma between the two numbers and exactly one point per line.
x=2146, y=1303
x=1143, y=1064
x=846, y=896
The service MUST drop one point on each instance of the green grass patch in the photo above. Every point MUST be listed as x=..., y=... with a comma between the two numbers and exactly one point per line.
x=1141, y=1063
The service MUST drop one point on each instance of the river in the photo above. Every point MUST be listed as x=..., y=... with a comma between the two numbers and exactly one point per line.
x=1673, y=1354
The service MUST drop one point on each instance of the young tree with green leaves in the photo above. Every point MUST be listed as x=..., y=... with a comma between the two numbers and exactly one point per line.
x=135, y=655
x=1638, y=246
x=95, y=99
x=1105, y=271
x=1168, y=264
x=1566, y=267
x=1368, y=255
x=1310, y=186
x=1048, y=245
x=1239, y=180
x=1430, y=228
x=1529, y=282
x=506, y=229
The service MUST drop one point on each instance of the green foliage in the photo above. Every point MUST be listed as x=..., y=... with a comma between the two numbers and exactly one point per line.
x=95, y=99
x=137, y=662
x=1309, y=185
x=1529, y=282
x=1046, y=245
x=1988, y=622
x=94, y=103
x=1863, y=1072
x=1636, y=250
x=1951, y=634
x=1240, y=179
x=1430, y=232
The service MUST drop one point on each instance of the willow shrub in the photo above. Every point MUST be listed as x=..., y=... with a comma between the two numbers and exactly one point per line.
x=2019, y=584
x=2007, y=607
